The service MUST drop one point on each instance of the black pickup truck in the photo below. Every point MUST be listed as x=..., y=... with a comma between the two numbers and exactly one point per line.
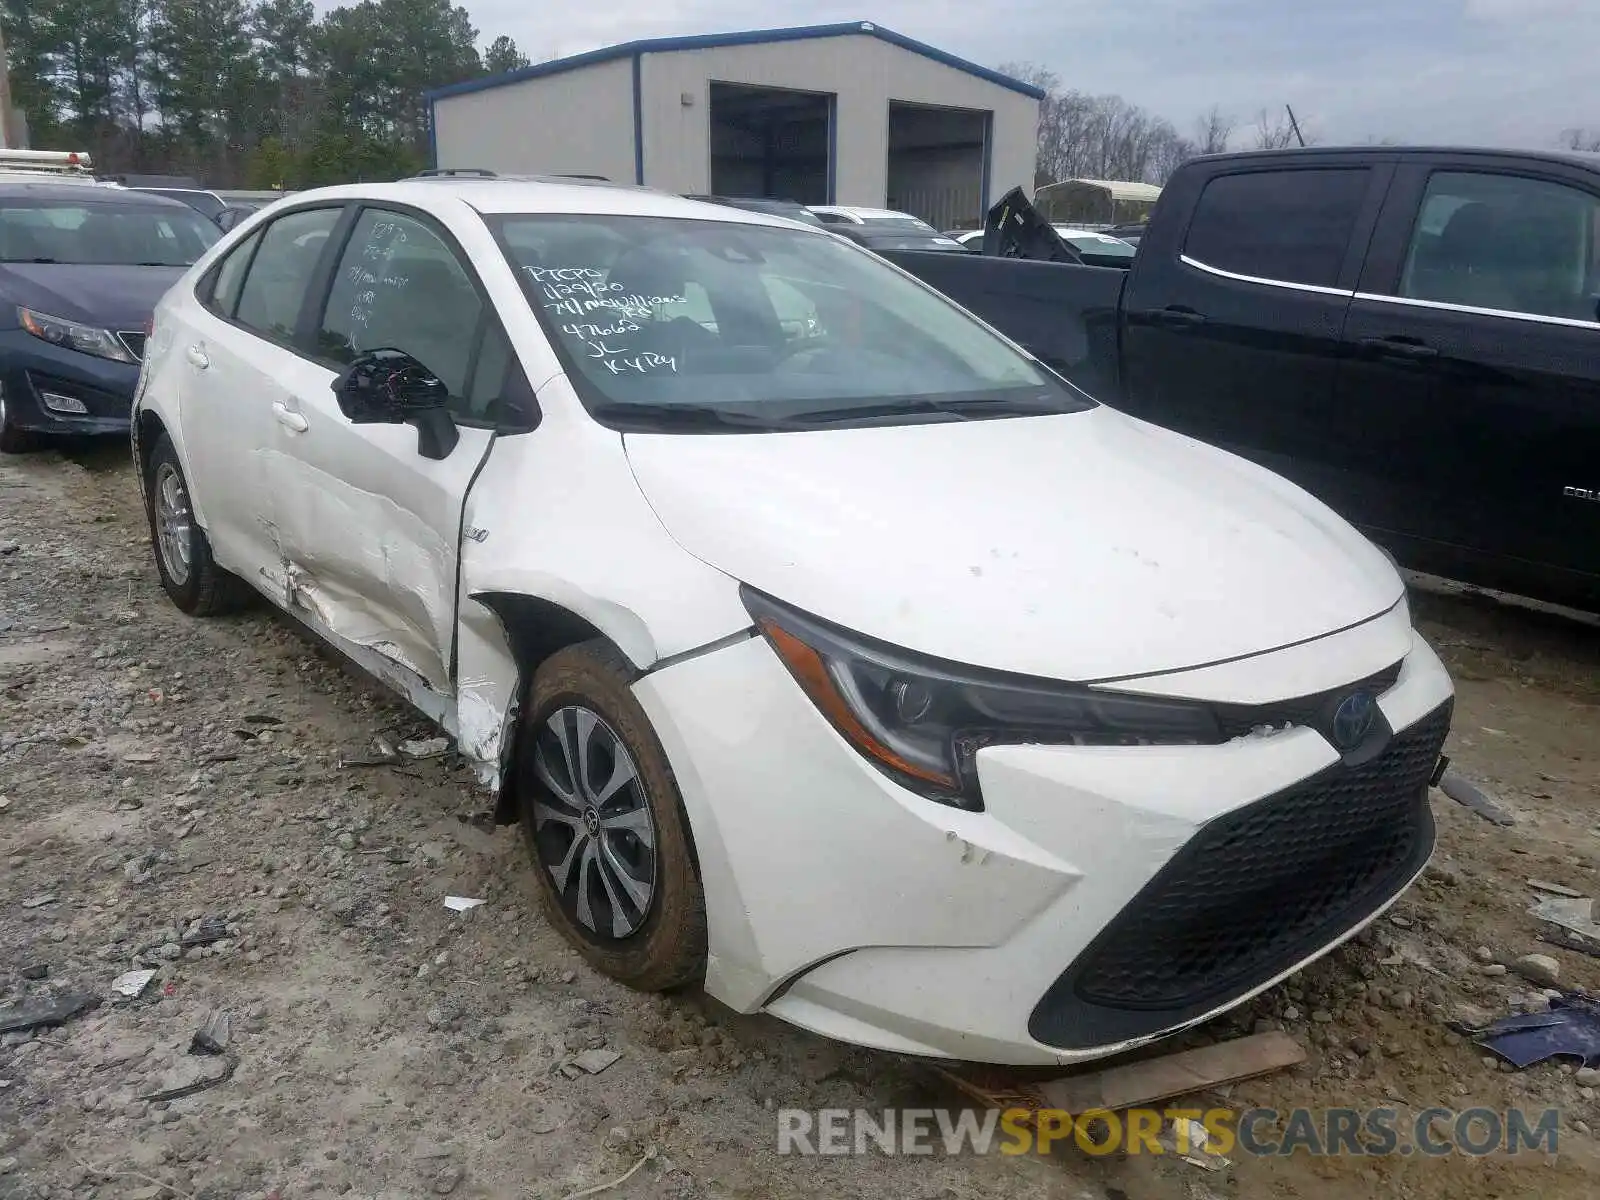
x=1411, y=334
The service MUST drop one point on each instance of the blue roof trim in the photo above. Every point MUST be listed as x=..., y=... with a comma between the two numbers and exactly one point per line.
x=713, y=41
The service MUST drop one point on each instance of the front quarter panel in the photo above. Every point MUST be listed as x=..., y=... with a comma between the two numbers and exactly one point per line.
x=556, y=515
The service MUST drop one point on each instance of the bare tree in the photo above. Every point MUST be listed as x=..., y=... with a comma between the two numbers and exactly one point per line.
x=1099, y=137
x=1273, y=132
x=1580, y=139
x=1213, y=131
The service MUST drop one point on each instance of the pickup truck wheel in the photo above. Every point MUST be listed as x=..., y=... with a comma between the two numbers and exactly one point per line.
x=605, y=825
x=189, y=575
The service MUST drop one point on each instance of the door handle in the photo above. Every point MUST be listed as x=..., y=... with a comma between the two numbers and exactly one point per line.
x=1394, y=347
x=1177, y=318
x=197, y=357
x=288, y=418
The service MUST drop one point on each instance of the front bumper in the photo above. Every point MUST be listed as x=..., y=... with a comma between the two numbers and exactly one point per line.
x=1105, y=897
x=45, y=385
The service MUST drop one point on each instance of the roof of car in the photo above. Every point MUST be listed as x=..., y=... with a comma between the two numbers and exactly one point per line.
x=1577, y=157
x=492, y=196
x=85, y=193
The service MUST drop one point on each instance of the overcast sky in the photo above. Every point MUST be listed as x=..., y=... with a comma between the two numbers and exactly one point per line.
x=1483, y=72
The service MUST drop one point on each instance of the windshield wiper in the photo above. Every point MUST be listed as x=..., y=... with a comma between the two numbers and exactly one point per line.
x=970, y=409
x=691, y=417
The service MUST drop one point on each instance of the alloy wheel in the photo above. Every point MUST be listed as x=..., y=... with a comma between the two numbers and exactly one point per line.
x=593, y=830
x=173, y=522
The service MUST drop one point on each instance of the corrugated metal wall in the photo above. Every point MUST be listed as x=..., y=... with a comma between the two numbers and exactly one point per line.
x=577, y=122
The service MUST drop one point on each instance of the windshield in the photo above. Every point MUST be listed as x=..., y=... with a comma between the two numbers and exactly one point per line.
x=103, y=234
x=1097, y=243
x=665, y=322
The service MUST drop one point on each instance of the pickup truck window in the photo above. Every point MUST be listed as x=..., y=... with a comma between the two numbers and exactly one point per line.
x=1505, y=242
x=1288, y=226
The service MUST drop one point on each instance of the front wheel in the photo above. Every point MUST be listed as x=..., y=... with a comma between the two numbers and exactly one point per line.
x=12, y=439
x=189, y=575
x=605, y=825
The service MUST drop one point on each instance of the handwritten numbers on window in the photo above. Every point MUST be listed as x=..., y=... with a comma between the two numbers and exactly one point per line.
x=609, y=314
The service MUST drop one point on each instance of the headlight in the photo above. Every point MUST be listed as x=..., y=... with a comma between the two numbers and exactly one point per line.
x=922, y=721
x=59, y=331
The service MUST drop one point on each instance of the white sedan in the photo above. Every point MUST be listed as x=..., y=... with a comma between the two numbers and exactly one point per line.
x=832, y=652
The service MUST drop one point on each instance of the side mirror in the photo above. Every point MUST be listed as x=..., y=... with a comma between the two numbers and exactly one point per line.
x=390, y=387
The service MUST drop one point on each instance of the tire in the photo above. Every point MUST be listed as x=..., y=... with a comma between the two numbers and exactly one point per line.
x=189, y=575
x=12, y=439
x=605, y=854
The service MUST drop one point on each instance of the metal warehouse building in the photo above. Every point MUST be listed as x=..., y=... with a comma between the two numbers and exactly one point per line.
x=828, y=114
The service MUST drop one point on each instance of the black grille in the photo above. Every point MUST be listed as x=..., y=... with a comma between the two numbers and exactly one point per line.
x=1253, y=893
x=133, y=341
x=1239, y=719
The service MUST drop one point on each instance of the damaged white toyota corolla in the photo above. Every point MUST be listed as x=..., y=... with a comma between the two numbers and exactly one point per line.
x=830, y=650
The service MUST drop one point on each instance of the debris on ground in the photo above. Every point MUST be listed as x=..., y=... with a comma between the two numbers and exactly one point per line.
x=210, y=1040
x=461, y=903
x=47, y=1014
x=1555, y=889
x=614, y=1183
x=1573, y=920
x=35, y=971
x=592, y=1062
x=381, y=754
x=1470, y=795
x=1188, y=1139
x=425, y=747
x=1571, y=1029
x=132, y=983
x=204, y=932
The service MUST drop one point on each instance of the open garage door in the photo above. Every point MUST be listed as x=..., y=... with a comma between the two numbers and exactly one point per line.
x=770, y=143
x=936, y=163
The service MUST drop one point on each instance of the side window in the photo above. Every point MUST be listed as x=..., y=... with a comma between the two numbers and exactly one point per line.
x=1505, y=242
x=489, y=375
x=399, y=286
x=280, y=274
x=228, y=278
x=1293, y=226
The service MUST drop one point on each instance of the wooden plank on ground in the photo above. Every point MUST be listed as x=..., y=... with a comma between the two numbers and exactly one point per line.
x=1147, y=1081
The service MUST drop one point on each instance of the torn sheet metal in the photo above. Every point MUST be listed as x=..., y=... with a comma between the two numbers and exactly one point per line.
x=1571, y=1030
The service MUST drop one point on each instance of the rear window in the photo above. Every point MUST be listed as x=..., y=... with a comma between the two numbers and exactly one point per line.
x=1288, y=226
x=103, y=233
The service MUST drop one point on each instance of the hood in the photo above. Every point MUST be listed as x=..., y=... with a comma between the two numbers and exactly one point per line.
x=1088, y=546
x=104, y=296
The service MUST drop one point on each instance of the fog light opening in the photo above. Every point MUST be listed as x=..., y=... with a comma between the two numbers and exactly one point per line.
x=56, y=402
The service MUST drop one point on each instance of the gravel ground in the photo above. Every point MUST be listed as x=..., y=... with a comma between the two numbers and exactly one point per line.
x=174, y=796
